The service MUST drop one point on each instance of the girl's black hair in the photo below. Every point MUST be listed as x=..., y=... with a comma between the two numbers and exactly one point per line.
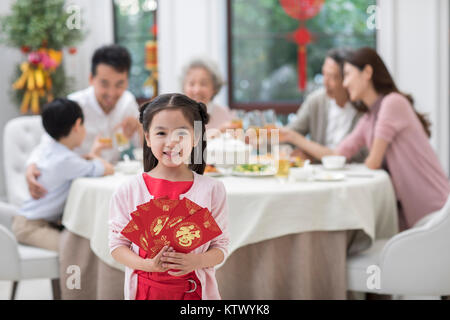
x=192, y=111
x=382, y=79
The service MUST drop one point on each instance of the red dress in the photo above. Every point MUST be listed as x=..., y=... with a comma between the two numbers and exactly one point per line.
x=161, y=285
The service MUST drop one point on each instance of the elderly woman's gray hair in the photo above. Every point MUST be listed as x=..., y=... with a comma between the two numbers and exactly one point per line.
x=209, y=66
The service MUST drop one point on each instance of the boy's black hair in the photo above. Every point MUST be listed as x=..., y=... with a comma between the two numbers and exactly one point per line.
x=113, y=55
x=59, y=117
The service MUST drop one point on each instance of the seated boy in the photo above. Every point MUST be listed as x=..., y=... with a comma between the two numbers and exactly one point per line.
x=38, y=222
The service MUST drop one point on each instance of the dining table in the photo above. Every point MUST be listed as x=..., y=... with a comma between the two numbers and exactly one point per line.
x=289, y=239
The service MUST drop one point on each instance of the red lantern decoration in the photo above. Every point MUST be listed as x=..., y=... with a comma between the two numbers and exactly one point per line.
x=25, y=49
x=302, y=10
x=72, y=50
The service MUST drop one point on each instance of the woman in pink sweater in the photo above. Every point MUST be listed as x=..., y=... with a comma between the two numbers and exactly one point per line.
x=396, y=135
x=173, y=161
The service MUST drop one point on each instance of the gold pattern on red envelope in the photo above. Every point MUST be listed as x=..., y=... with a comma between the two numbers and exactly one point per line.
x=209, y=222
x=194, y=231
x=188, y=234
x=162, y=203
x=182, y=224
x=130, y=227
x=158, y=244
x=191, y=206
x=158, y=224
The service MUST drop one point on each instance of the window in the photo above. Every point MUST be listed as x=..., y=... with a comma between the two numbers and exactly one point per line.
x=134, y=23
x=262, y=63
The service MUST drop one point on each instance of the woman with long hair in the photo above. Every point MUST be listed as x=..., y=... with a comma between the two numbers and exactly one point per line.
x=395, y=134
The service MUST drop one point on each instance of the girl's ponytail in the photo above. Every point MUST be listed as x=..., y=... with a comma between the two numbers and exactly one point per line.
x=203, y=112
x=149, y=160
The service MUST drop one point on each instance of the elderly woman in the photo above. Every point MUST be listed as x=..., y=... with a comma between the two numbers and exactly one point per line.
x=202, y=81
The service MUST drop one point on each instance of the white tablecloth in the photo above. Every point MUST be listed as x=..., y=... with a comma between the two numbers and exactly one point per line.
x=260, y=208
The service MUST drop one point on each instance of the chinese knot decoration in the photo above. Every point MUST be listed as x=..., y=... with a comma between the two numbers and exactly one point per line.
x=302, y=10
x=35, y=78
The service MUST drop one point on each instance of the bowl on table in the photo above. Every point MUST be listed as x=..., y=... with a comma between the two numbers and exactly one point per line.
x=301, y=173
x=333, y=162
x=129, y=167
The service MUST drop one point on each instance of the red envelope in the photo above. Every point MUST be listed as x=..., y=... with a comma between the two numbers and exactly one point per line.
x=136, y=233
x=182, y=224
x=147, y=221
x=184, y=209
x=156, y=213
x=194, y=231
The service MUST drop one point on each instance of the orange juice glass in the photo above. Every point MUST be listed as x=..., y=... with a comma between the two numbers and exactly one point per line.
x=283, y=168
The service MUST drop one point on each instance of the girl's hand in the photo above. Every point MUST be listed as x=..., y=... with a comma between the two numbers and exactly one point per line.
x=156, y=264
x=184, y=262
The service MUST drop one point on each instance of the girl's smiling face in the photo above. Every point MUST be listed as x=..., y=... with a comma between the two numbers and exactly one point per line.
x=170, y=137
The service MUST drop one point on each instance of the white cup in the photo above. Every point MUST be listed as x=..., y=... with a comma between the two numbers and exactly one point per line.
x=333, y=162
x=301, y=174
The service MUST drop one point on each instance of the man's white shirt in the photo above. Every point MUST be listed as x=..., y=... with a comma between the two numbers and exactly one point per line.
x=339, y=122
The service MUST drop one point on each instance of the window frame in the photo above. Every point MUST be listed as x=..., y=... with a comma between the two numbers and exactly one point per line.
x=280, y=107
x=139, y=99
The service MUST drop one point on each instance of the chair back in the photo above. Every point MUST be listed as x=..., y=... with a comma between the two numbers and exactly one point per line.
x=417, y=261
x=9, y=257
x=20, y=137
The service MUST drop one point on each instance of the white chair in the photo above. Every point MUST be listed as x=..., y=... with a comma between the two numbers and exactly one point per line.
x=415, y=262
x=20, y=262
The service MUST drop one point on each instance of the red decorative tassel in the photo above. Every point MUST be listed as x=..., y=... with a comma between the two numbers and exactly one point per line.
x=301, y=62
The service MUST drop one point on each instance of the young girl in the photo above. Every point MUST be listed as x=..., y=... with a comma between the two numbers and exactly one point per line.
x=395, y=134
x=173, y=165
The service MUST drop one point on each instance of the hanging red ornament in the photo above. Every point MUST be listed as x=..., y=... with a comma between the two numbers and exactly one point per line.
x=72, y=50
x=154, y=30
x=302, y=10
x=25, y=49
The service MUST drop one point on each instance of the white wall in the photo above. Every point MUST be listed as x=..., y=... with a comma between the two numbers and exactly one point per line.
x=413, y=39
x=187, y=29
x=98, y=23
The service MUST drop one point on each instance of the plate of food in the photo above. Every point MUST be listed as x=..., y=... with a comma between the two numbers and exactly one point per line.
x=329, y=176
x=254, y=170
x=212, y=171
x=296, y=162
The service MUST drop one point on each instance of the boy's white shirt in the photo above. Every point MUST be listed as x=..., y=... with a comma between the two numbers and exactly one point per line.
x=58, y=166
x=97, y=122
